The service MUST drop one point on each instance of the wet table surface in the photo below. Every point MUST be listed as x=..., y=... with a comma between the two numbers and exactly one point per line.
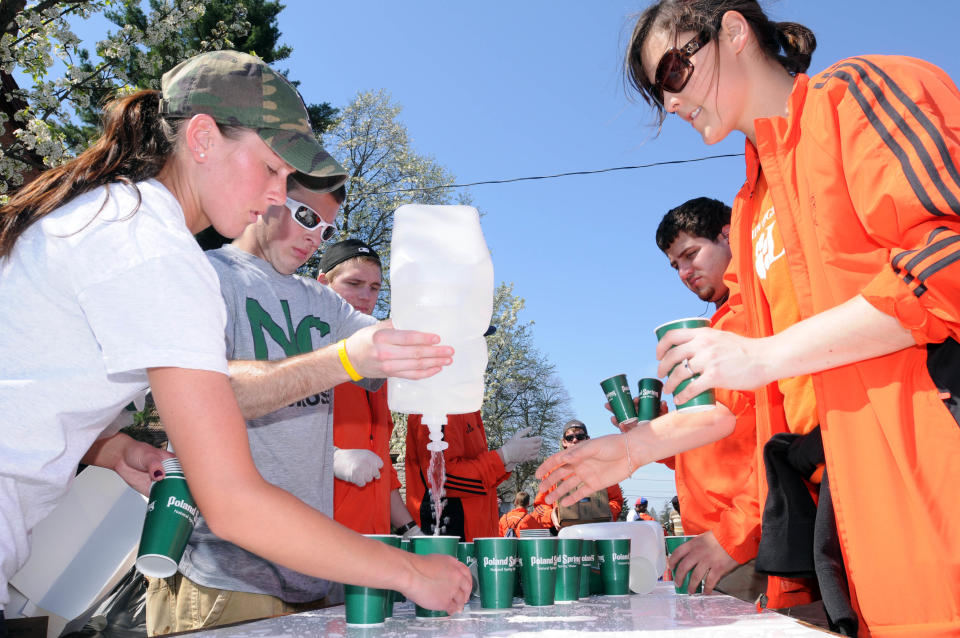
x=659, y=614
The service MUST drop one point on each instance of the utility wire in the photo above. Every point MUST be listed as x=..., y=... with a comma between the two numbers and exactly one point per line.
x=556, y=175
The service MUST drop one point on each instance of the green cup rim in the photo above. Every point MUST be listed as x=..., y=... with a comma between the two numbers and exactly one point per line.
x=667, y=323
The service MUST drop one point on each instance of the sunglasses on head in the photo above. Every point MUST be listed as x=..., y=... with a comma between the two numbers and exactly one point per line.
x=310, y=219
x=675, y=68
x=579, y=436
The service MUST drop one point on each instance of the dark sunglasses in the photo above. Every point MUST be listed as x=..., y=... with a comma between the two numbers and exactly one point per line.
x=580, y=436
x=675, y=68
x=310, y=219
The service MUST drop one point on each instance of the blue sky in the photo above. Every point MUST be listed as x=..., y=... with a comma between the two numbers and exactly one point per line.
x=498, y=90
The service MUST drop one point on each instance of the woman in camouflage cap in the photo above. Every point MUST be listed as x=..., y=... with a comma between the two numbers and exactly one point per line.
x=106, y=292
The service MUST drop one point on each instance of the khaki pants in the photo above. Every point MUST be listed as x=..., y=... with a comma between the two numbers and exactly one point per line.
x=744, y=583
x=179, y=604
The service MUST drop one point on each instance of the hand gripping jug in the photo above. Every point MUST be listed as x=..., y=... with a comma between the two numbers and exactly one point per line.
x=441, y=281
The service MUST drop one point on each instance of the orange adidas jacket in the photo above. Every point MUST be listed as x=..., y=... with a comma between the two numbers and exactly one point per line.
x=473, y=471
x=864, y=178
x=361, y=420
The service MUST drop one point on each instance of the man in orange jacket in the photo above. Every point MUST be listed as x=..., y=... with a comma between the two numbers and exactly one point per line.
x=366, y=488
x=473, y=472
x=717, y=483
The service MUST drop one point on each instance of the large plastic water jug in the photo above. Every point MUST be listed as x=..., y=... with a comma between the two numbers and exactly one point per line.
x=441, y=281
x=648, y=557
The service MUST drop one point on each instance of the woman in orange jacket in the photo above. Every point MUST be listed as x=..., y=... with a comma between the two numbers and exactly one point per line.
x=845, y=242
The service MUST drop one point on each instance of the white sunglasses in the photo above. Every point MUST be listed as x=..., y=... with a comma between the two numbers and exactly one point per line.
x=310, y=219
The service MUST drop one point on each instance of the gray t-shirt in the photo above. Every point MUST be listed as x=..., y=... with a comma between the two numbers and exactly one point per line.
x=273, y=316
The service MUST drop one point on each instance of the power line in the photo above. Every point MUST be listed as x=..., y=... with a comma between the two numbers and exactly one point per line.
x=554, y=176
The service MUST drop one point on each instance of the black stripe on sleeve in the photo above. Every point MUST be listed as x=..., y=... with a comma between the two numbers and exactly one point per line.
x=927, y=272
x=464, y=479
x=909, y=133
x=895, y=262
x=935, y=134
x=892, y=144
x=930, y=250
x=894, y=147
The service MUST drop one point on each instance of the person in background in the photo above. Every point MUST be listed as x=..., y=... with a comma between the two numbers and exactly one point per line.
x=676, y=522
x=639, y=511
x=599, y=506
x=512, y=519
x=473, y=472
x=114, y=296
x=366, y=487
x=289, y=340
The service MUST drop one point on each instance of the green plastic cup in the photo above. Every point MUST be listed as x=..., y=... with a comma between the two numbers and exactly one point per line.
x=465, y=554
x=496, y=570
x=171, y=515
x=538, y=566
x=614, y=554
x=674, y=542
x=648, y=393
x=588, y=548
x=370, y=606
x=706, y=400
x=424, y=545
x=617, y=391
x=568, y=570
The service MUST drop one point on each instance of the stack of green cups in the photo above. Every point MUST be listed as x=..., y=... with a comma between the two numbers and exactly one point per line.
x=673, y=542
x=568, y=570
x=614, y=555
x=424, y=545
x=588, y=548
x=370, y=606
x=496, y=570
x=705, y=400
x=538, y=565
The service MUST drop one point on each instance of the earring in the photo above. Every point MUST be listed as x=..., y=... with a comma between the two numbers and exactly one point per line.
x=201, y=154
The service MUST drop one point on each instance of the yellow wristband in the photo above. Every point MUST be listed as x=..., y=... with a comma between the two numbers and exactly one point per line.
x=345, y=360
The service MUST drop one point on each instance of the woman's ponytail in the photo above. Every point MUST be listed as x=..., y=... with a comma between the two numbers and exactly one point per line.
x=798, y=44
x=135, y=144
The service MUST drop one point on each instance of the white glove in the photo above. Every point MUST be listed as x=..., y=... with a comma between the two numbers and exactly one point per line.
x=413, y=531
x=356, y=466
x=520, y=448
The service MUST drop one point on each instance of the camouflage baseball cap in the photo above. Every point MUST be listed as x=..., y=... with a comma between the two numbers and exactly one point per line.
x=238, y=89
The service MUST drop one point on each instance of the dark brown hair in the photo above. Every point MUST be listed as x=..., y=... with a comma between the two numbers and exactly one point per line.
x=788, y=43
x=698, y=217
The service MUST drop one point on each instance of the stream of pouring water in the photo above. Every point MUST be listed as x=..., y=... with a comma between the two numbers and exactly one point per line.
x=436, y=478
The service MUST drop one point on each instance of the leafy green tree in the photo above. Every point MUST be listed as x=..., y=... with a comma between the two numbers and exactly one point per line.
x=48, y=122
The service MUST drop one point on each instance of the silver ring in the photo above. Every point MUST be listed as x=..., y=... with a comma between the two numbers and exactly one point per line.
x=686, y=364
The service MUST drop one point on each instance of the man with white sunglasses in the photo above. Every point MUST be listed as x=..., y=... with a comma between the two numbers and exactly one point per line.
x=289, y=341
